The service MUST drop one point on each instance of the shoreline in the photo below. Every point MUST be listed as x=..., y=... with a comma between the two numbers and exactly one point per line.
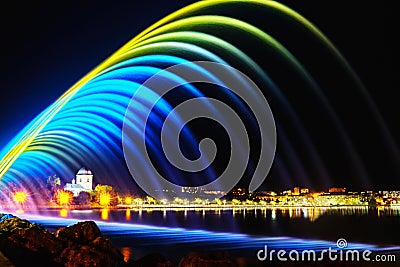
x=226, y=255
x=192, y=207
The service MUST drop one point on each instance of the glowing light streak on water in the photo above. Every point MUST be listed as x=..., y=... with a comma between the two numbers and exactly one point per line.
x=153, y=235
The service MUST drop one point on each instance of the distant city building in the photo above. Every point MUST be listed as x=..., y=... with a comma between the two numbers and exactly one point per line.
x=352, y=193
x=390, y=194
x=214, y=192
x=83, y=182
x=304, y=191
x=239, y=191
x=265, y=194
x=337, y=190
x=190, y=190
x=287, y=192
x=296, y=191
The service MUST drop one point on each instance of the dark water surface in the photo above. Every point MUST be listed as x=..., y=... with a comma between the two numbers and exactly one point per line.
x=175, y=232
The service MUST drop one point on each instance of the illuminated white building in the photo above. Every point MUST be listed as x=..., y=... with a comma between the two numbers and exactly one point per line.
x=83, y=182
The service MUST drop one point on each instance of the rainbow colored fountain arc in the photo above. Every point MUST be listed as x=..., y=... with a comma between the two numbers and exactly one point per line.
x=86, y=121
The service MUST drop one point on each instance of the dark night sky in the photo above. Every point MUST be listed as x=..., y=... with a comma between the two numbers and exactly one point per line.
x=47, y=46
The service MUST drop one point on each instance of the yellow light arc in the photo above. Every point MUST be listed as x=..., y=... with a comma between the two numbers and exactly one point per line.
x=167, y=23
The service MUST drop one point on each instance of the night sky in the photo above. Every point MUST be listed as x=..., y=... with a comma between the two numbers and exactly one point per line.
x=48, y=45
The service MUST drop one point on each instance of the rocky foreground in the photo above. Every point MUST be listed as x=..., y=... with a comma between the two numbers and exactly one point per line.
x=27, y=244
x=23, y=243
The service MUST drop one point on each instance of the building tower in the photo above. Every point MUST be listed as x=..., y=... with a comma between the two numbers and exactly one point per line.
x=84, y=177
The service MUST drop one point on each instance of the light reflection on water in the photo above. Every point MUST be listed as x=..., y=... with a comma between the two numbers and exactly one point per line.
x=63, y=213
x=166, y=216
x=20, y=211
x=237, y=229
x=104, y=214
x=127, y=253
x=135, y=240
x=307, y=222
x=310, y=213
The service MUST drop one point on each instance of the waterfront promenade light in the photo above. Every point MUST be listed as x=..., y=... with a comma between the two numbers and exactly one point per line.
x=128, y=200
x=63, y=197
x=105, y=199
x=20, y=197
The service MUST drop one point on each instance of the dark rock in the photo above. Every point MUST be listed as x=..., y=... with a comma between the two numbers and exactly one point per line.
x=207, y=259
x=10, y=225
x=90, y=256
x=82, y=244
x=5, y=262
x=251, y=262
x=87, y=247
x=152, y=260
x=36, y=239
x=25, y=243
x=82, y=232
x=5, y=216
x=104, y=244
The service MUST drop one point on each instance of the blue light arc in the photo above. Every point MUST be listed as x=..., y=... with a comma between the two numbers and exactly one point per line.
x=84, y=124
